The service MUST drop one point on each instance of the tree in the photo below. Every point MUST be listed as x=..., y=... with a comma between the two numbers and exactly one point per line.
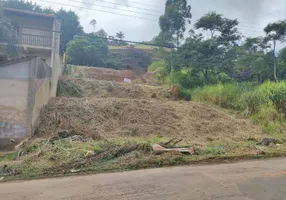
x=173, y=22
x=252, y=64
x=275, y=32
x=120, y=36
x=210, y=22
x=101, y=33
x=93, y=22
x=8, y=34
x=164, y=39
x=87, y=50
x=202, y=56
x=26, y=5
x=229, y=32
x=70, y=26
x=226, y=28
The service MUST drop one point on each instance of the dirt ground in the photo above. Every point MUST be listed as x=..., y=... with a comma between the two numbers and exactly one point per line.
x=115, y=109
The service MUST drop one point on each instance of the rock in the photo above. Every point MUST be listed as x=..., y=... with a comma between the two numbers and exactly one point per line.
x=2, y=178
x=268, y=141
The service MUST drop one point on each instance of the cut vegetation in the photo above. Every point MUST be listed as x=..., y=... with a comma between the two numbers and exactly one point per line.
x=98, y=123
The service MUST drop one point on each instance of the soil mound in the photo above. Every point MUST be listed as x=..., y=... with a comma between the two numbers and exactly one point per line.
x=103, y=118
x=102, y=73
x=105, y=89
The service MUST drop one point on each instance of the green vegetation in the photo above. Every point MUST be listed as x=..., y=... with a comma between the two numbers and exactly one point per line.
x=264, y=104
x=88, y=51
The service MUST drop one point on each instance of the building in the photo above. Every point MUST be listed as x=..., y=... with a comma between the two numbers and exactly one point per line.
x=39, y=34
x=28, y=81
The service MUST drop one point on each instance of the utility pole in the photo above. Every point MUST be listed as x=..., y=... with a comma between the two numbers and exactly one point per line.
x=171, y=73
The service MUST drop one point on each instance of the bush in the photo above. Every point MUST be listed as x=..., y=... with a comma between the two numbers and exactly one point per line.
x=186, y=94
x=226, y=96
x=266, y=103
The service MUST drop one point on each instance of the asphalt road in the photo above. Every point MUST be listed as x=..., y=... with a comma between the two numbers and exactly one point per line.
x=253, y=180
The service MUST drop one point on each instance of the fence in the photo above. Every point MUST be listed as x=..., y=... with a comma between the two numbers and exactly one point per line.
x=35, y=40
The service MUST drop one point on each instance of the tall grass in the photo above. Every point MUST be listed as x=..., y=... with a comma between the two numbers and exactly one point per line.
x=265, y=104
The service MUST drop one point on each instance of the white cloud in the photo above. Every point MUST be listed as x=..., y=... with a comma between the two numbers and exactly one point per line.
x=253, y=15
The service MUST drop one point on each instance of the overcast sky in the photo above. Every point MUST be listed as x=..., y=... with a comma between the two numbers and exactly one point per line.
x=253, y=15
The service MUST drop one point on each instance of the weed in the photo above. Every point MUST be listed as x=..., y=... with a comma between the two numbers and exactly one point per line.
x=8, y=157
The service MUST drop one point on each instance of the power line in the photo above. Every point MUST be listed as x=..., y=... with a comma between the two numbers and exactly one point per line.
x=114, y=8
x=150, y=44
x=136, y=2
x=138, y=17
x=109, y=2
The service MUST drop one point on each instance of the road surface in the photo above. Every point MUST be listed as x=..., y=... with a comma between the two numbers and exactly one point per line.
x=253, y=180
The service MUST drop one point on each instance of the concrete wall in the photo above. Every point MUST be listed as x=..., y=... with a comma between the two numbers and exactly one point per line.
x=25, y=87
x=14, y=81
x=46, y=55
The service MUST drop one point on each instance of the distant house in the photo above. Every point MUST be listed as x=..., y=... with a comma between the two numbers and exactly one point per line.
x=28, y=81
x=39, y=34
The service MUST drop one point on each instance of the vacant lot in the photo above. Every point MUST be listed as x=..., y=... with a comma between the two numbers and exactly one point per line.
x=99, y=123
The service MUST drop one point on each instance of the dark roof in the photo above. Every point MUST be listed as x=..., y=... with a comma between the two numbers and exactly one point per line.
x=10, y=60
x=13, y=10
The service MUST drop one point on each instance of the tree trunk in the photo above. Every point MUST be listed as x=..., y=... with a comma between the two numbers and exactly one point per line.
x=275, y=64
x=212, y=34
x=206, y=75
x=178, y=39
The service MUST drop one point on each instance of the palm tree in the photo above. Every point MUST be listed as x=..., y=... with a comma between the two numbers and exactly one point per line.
x=120, y=36
x=93, y=22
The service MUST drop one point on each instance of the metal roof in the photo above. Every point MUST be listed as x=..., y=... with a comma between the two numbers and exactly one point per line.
x=16, y=59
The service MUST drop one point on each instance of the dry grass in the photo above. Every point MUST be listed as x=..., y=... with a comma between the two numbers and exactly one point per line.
x=75, y=87
x=99, y=73
x=104, y=118
x=121, y=120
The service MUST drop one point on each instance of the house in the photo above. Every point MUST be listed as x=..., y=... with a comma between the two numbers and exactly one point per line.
x=39, y=34
x=28, y=81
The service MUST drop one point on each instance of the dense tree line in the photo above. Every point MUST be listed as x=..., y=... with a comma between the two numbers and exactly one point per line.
x=224, y=56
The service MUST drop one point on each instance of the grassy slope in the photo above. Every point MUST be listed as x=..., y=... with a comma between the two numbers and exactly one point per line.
x=216, y=136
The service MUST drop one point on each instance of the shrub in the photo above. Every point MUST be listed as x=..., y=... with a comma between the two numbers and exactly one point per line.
x=186, y=94
x=227, y=96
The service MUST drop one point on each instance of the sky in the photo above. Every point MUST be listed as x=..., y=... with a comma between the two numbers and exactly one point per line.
x=141, y=22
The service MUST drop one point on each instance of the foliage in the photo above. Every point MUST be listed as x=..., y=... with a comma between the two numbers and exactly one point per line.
x=264, y=103
x=210, y=22
x=67, y=88
x=159, y=67
x=26, y=5
x=101, y=33
x=128, y=58
x=70, y=26
x=87, y=50
x=93, y=22
x=8, y=35
x=275, y=32
x=173, y=22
